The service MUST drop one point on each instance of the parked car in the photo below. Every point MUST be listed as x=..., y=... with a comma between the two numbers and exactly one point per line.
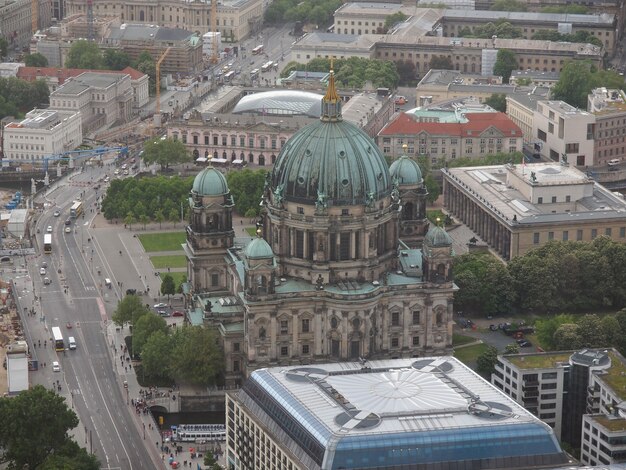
x=177, y=313
x=163, y=313
x=525, y=344
x=160, y=305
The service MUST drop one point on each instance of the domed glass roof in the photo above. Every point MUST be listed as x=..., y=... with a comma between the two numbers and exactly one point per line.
x=437, y=236
x=281, y=103
x=331, y=162
x=406, y=171
x=258, y=249
x=210, y=182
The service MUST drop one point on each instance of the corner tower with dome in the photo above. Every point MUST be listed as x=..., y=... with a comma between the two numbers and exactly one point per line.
x=328, y=277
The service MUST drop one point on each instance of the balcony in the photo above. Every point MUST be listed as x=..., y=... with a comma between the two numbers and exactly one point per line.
x=533, y=403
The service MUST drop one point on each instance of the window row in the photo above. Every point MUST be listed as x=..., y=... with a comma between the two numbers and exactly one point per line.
x=608, y=232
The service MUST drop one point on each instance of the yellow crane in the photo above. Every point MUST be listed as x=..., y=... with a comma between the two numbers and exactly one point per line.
x=215, y=52
x=34, y=13
x=157, y=112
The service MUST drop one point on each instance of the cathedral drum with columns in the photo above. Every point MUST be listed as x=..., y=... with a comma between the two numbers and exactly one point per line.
x=334, y=273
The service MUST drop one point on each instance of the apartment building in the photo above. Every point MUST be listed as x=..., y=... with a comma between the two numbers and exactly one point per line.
x=564, y=133
x=236, y=19
x=42, y=133
x=101, y=99
x=578, y=393
x=609, y=108
x=516, y=208
x=468, y=131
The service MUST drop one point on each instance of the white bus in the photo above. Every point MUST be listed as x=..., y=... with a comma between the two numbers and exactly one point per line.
x=267, y=66
x=229, y=76
x=258, y=50
x=254, y=73
x=59, y=345
x=47, y=243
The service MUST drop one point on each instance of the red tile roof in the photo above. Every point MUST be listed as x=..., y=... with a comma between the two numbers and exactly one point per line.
x=406, y=124
x=33, y=73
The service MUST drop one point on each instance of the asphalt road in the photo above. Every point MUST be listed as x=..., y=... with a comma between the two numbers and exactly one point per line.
x=77, y=295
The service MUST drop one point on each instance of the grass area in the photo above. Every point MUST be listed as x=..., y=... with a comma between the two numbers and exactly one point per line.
x=171, y=261
x=616, y=376
x=538, y=360
x=178, y=277
x=433, y=215
x=162, y=241
x=469, y=354
x=459, y=339
x=251, y=231
x=617, y=424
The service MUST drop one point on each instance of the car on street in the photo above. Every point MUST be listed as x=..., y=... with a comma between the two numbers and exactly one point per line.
x=42, y=271
x=68, y=222
x=46, y=281
x=56, y=367
x=116, y=172
x=44, y=265
x=57, y=213
x=523, y=343
x=160, y=305
x=177, y=313
x=125, y=172
x=49, y=229
x=163, y=313
x=68, y=229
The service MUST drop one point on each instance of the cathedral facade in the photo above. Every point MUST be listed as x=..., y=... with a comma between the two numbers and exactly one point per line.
x=333, y=274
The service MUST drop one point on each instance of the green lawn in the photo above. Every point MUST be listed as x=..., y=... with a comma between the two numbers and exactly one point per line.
x=459, y=339
x=169, y=261
x=177, y=276
x=162, y=241
x=251, y=231
x=469, y=354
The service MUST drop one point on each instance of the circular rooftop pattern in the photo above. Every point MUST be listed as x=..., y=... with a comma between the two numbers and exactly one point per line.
x=357, y=419
x=210, y=182
x=490, y=410
x=258, y=249
x=406, y=171
x=398, y=391
x=281, y=103
x=306, y=374
x=437, y=236
x=433, y=365
x=332, y=163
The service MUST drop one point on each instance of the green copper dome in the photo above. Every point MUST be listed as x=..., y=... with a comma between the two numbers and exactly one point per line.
x=406, y=171
x=437, y=236
x=258, y=249
x=331, y=161
x=210, y=182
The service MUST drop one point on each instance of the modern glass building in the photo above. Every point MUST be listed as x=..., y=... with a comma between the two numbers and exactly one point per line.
x=420, y=413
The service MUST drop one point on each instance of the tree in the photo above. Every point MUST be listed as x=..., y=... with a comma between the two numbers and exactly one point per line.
x=508, y=5
x=566, y=337
x=407, y=72
x=179, y=288
x=497, y=101
x=70, y=456
x=394, y=19
x=116, y=60
x=156, y=355
x=39, y=424
x=129, y=309
x=167, y=286
x=246, y=186
x=143, y=220
x=159, y=217
x=165, y=152
x=511, y=348
x=575, y=83
x=145, y=326
x=35, y=60
x=130, y=219
x=84, y=55
x=210, y=463
x=441, y=62
x=196, y=356
x=506, y=62
x=486, y=362
x=546, y=327
x=485, y=285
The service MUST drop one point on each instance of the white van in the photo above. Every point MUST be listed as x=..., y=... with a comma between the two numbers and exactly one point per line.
x=107, y=282
x=615, y=161
x=71, y=342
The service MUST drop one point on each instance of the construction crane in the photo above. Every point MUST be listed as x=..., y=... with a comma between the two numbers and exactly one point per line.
x=215, y=53
x=157, y=111
x=34, y=13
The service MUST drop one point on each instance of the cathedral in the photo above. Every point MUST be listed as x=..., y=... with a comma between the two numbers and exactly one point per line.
x=335, y=272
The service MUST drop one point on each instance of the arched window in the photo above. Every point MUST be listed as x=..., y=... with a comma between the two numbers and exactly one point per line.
x=273, y=159
x=261, y=160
